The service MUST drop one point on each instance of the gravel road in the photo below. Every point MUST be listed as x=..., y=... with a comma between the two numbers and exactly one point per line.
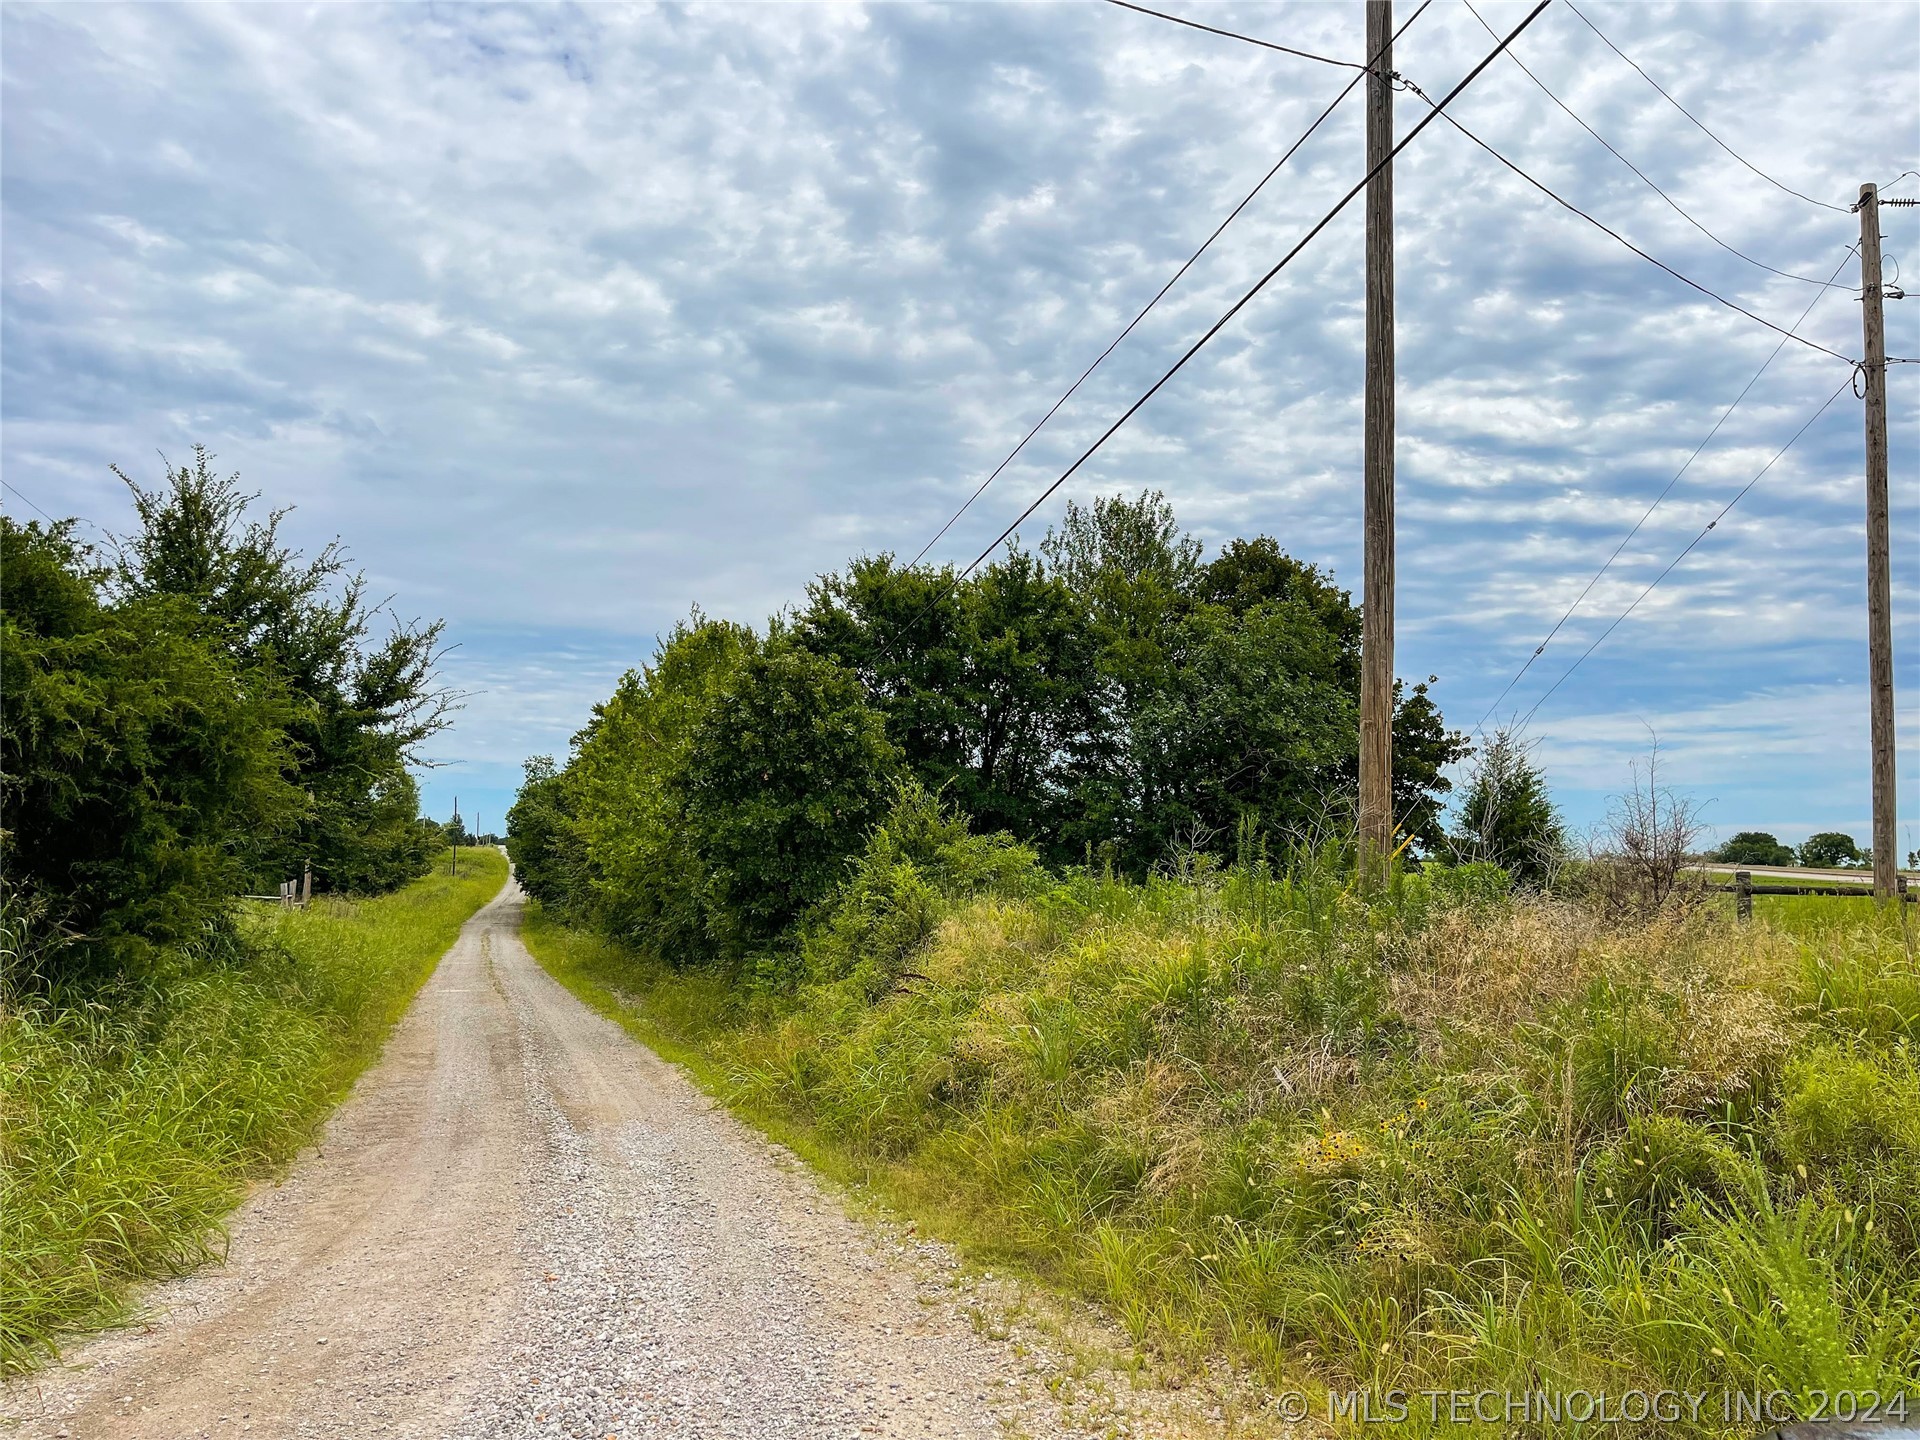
x=522, y=1223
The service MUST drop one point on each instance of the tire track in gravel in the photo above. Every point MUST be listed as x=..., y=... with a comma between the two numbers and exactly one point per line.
x=524, y=1224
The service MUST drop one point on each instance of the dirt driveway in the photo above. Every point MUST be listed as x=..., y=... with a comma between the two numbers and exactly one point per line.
x=524, y=1224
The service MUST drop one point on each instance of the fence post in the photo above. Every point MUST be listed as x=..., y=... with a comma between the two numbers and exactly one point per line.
x=1743, y=894
x=306, y=885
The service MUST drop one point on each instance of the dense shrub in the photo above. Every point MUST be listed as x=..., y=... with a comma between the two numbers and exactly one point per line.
x=785, y=774
x=1108, y=700
x=632, y=850
x=543, y=839
x=919, y=860
x=141, y=768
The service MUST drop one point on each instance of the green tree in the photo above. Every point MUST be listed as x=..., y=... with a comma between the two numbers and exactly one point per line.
x=1754, y=847
x=785, y=775
x=1253, y=717
x=140, y=763
x=1831, y=850
x=1254, y=572
x=543, y=840
x=982, y=682
x=365, y=702
x=1423, y=747
x=1507, y=817
x=638, y=869
x=1134, y=572
x=1144, y=776
x=1113, y=694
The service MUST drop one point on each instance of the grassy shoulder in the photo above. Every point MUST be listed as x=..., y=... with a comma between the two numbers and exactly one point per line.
x=137, y=1110
x=1442, y=1143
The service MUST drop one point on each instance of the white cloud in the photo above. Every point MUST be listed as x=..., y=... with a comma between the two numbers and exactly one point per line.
x=569, y=318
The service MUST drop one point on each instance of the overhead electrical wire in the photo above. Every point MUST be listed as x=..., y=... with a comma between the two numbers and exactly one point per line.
x=1591, y=220
x=1540, y=649
x=1264, y=44
x=1691, y=544
x=1777, y=184
x=1609, y=231
x=1174, y=279
x=1438, y=110
x=1675, y=205
x=22, y=495
x=1785, y=334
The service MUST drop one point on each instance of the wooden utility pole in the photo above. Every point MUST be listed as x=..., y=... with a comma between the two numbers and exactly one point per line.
x=455, y=837
x=1376, y=640
x=1879, y=579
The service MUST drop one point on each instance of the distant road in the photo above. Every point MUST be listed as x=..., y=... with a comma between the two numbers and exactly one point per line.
x=1792, y=872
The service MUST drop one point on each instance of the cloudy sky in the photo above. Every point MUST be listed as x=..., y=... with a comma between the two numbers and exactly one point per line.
x=568, y=319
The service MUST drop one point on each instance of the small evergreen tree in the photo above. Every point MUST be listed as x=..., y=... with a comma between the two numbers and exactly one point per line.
x=1507, y=817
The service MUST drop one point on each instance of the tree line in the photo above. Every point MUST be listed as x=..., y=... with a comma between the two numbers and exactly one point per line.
x=198, y=711
x=1110, y=699
x=1826, y=850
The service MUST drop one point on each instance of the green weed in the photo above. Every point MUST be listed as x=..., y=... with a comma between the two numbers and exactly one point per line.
x=136, y=1110
x=1445, y=1137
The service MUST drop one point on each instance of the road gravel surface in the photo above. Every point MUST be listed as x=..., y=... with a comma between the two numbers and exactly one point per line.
x=522, y=1223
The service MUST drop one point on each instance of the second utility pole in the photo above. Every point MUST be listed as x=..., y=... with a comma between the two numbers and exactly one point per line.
x=1376, y=638
x=1879, y=581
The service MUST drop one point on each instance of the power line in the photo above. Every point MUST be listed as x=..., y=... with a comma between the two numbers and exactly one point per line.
x=1677, y=208
x=1609, y=231
x=1435, y=113
x=1598, y=224
x=1161, y=293
x=1264, y=44
x=1725, y=415
x=1777, y=184
x=50, y=519
x=1528, y=718
x=21, y=494
x=1785, y=334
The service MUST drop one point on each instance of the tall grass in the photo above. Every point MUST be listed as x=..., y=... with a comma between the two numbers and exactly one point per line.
x=1450, y=1139
x=137, y=1109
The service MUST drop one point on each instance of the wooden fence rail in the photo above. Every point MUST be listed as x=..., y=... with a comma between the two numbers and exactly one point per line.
x=1743, y=890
